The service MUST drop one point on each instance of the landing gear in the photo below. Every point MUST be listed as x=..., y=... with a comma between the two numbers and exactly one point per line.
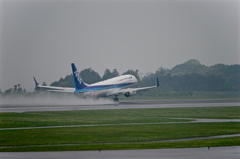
x=116, y=99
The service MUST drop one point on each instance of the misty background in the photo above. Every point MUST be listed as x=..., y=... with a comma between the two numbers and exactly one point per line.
x=41, y=38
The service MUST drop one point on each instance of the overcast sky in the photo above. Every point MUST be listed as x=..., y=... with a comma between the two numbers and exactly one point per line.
x=42, y=38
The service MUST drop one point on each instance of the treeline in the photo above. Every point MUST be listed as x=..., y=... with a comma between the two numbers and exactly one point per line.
x=189, y=76
x=16, y=90
x=183, y=79
x=192, y=82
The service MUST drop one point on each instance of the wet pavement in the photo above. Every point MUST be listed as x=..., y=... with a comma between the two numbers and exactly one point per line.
x=231, y=152
x=131, y=104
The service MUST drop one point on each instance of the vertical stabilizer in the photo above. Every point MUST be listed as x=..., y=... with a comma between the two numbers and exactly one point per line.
x=78, y=82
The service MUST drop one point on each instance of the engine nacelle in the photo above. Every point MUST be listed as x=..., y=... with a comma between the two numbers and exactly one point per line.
x=128, y=94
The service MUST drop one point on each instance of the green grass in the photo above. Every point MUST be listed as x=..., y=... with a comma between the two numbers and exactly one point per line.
x=233, y=141
x=123, y=133
x=117, y=116
x=119, y=136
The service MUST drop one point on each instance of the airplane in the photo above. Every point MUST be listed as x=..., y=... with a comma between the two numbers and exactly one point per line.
x=111, y=87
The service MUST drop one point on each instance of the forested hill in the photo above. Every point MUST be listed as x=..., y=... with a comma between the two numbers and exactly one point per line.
x=194, y=66
x=188, y=76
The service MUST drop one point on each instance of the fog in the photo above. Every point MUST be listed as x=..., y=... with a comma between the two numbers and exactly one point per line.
x=41, y=38
x=50, y=99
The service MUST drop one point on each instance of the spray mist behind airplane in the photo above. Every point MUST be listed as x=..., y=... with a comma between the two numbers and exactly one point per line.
x=111, y=87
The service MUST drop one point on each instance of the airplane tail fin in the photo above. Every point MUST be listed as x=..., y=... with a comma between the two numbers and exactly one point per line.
x=35, y=81
x=78, y=82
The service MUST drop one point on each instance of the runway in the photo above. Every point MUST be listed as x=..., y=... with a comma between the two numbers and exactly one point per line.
x=130, y=104
x=231, y=152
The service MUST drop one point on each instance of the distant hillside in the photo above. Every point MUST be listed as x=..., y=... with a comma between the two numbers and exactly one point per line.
x=194, y=76
x=188, y=76
x=191, y=66
x=194, y=66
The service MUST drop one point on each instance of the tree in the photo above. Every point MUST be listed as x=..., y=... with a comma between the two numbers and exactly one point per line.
x=215, y=83
x=161, y=72
x=134, y=73
x=24, y=91
x=19, y=89
x=9, y=91
x=115, y=73
x=191, y=66
x=66, y=82
x=15, y=88
x=90, y=76
x=107, y=74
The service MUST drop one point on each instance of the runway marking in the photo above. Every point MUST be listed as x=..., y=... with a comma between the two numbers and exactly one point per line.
x=168, y=140
x=41, y=113
x=71, y=108
x=194, y=121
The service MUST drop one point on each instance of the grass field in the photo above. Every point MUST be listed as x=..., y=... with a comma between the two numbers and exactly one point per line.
x=86, y=117
x=145, y=125
x=120, y=146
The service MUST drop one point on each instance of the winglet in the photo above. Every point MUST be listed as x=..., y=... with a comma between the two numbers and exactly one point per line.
x=35, y=81
x=157, y=82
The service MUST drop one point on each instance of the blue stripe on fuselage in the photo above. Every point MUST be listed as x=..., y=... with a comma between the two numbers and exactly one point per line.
x=101, y=87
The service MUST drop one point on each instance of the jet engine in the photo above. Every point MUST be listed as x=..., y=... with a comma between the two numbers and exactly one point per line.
x=128, y=94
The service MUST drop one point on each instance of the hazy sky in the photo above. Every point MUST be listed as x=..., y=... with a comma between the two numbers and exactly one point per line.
x=41, y=38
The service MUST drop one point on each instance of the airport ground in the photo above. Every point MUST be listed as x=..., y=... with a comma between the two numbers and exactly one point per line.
x=128, y=125
x=230, y=152
x=62, y=104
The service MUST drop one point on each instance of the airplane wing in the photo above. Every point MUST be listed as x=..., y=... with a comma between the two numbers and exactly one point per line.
x=123, y=91
x=55, y=89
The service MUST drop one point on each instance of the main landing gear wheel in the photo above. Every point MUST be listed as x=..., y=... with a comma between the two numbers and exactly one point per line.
x=116, y=99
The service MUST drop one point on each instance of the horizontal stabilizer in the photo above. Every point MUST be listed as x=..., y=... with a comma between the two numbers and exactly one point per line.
x=54, y=89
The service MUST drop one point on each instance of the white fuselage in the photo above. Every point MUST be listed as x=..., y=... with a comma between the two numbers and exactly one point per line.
x=107, y=87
